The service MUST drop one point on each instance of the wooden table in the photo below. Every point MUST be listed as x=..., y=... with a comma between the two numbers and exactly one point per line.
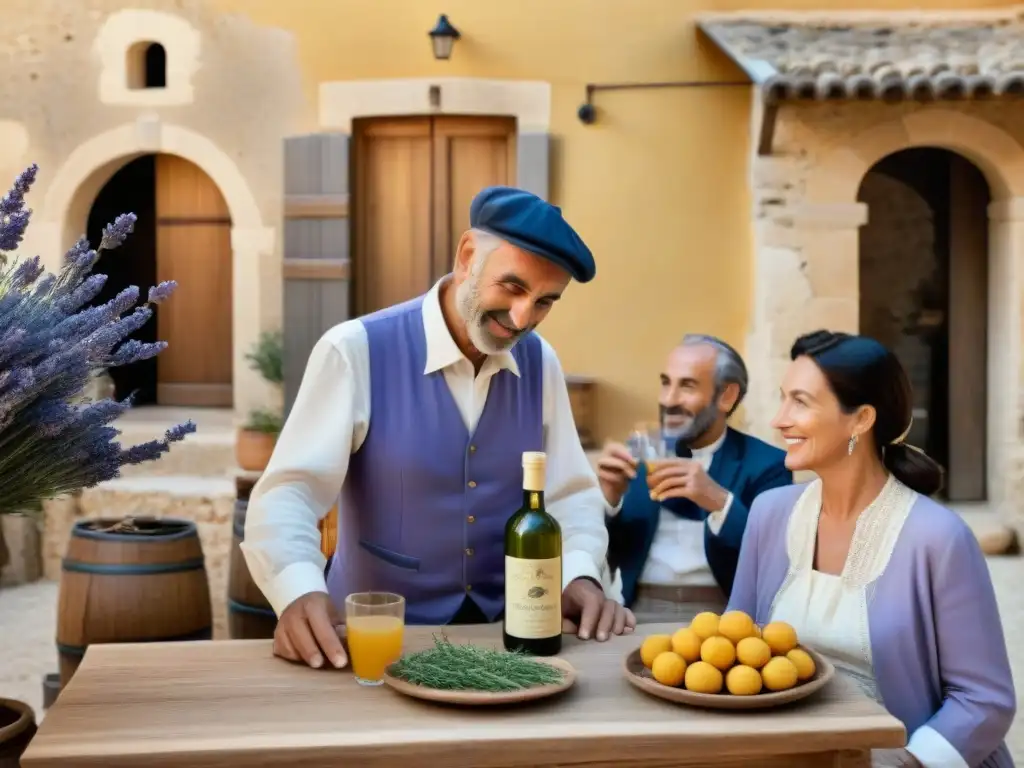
x=231, y=703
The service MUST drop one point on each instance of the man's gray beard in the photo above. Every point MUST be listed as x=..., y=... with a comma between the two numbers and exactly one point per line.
x=700, y=424
x=467, y=300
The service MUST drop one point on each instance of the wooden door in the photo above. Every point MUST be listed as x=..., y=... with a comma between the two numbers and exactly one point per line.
x=193, y=247
x=968, y=331
x=414, y=179
x=470, y=153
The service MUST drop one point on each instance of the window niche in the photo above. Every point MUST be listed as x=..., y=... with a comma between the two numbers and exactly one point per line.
x=146, y=66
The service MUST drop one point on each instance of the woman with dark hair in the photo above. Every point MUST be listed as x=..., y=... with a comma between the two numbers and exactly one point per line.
x=887, y=583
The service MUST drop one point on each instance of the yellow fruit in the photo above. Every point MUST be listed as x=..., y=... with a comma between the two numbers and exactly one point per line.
x=718, y=652
x=779, y=674
x=803, y=662
x=669, y=669
x=686, y=643
x=705, y=624
x=780, y=636
x=652, y=646
x=701, y=677
x=757, y=631
x=735, y=625
x=743, y=681
x=753, y=652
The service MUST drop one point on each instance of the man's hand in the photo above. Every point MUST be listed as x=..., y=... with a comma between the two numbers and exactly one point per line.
x=686, y=479
x=586, y=612
x=310, y=630
x=615, y=468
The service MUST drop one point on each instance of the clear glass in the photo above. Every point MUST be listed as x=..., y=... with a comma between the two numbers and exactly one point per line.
x=646, y=442
x=375, y=625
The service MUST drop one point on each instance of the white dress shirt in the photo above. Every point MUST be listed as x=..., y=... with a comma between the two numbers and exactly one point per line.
x=677, y=556
x=329, y=421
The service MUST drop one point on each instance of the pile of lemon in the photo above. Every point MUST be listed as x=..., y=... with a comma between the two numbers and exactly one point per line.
x=730, y=654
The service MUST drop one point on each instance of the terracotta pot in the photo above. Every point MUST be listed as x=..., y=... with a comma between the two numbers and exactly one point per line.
x=253, y=449
x=17, y=727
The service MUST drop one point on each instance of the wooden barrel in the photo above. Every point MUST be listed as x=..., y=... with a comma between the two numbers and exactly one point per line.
x=138, y=583
x=249, y=613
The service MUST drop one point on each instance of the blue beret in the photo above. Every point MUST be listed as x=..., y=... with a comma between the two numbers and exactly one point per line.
x=534, y=225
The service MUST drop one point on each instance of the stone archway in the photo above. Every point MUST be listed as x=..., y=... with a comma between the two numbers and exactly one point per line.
x=75, y=185
x=806, y=258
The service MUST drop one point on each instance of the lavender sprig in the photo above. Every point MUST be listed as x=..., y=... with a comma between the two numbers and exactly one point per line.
x=51, y=342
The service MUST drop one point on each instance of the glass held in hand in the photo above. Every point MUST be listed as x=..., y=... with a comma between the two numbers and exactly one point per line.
x=647, y=442
x=375, y=625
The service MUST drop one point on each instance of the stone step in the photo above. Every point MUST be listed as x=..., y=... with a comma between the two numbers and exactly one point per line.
x=209, y=452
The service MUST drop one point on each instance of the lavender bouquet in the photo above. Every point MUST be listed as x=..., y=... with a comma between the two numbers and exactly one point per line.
x=53, y=440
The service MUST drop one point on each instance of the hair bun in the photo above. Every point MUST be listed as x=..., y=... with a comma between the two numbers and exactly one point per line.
x=816, y=342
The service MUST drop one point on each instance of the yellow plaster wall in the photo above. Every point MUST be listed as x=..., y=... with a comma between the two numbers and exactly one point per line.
x=659, y=187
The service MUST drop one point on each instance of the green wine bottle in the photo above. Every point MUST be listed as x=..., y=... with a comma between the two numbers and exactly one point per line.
x=533, y=569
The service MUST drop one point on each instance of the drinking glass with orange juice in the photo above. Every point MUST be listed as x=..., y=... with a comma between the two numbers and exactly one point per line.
x=647, y=445
x=375, y=625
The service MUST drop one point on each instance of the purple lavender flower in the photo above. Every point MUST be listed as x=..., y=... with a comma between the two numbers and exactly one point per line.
x=50, y=346
x=161, y=292
x=133, y=351
x=14, y=200
x=115, y=234
x=125, y=300
x=26, y=273
x=12, y=229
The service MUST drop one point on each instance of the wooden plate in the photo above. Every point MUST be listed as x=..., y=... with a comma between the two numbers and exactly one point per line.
x=638, y=675
x=482, y=698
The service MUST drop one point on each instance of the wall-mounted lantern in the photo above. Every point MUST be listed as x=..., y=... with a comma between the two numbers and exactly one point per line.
x=443, y=37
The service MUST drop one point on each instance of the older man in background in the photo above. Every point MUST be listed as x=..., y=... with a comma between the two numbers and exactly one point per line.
x=675, y=537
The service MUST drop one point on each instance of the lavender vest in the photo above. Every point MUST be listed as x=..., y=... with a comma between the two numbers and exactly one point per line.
x=425, y=502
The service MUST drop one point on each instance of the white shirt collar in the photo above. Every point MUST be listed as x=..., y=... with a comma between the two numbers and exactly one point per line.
x=442, y=351
x=710, y=450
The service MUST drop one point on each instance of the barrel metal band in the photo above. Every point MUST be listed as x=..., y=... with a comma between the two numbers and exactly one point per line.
x=133, y=569
x=236, y=607
x=206, y=633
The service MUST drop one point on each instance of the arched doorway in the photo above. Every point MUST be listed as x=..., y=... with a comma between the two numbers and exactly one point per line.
x=183, y=234
x=923, y=273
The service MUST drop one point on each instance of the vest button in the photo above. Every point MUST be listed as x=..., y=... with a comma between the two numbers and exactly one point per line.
x=472, y=483
x=469, y=587
x=472, y=449
x=469, y=551
x=470, y=519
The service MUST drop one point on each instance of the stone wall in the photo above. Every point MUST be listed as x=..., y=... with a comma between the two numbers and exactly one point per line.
x=806, y=225
x=234, y=92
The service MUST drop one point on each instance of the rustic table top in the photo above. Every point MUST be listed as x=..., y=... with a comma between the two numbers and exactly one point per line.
x=170, y=705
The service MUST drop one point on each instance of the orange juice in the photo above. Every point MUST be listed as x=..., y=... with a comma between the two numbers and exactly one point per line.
x=374, y=642
x=653, y=465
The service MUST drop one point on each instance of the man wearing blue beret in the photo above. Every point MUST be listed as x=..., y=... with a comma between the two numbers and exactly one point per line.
x=420, y=414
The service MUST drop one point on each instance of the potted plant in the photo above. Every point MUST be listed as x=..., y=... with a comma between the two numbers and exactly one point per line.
x=52, y=441
x=256, y=439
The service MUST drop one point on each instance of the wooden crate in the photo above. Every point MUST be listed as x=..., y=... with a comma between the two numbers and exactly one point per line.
x=582, y=395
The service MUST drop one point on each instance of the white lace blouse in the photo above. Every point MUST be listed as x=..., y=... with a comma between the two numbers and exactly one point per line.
x=830, y=612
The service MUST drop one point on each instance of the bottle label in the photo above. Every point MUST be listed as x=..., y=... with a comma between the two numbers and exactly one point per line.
x=533, y=597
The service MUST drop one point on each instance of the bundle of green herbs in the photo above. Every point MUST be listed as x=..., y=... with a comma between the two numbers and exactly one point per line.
x=451, y=667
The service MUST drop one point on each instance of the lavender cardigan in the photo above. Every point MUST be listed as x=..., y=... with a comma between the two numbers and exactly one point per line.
x=937, y=641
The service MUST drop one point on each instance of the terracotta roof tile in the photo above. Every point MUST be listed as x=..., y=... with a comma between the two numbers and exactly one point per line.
x=896, y=56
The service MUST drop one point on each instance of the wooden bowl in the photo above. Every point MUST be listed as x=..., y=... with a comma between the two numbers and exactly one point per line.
x=485, y=698
x=639, y=676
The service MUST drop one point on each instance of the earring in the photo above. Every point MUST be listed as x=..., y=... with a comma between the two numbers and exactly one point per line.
x=851, y=445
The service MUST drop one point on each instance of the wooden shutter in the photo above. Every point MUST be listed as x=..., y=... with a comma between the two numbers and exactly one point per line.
x=533, y=163
x=316, y=247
